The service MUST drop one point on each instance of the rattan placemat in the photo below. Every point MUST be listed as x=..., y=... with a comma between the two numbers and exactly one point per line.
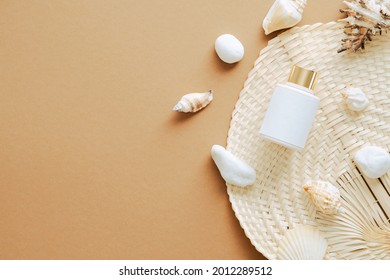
x=277, y=202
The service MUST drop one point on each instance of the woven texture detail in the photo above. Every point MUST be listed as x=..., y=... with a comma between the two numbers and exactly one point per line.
x=277, y=201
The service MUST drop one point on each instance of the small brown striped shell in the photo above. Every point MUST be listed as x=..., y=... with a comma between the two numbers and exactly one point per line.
x=193, y=102
x=325, y=196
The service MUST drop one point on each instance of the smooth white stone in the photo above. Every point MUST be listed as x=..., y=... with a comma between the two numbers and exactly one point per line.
x=229, y=48
x=356, y=100
x=232, y=169
x=373, y=161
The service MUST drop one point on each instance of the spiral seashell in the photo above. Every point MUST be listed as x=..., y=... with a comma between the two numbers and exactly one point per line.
x=303, y=242
x=283, y=14
x=355, y=99
x=325, y=196
x=364, y=19
x=193, y=102
x=371, y=11
x=373, y=161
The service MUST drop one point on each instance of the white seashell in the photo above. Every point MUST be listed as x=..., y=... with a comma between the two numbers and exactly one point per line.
x=371, y=10
x=373, y=161
x=302, y=243
x=193, y=102
x=229, y=48
x=283, y=14
x=364, y=18
x=233, y=170
x=325, y=196
x=355, y=99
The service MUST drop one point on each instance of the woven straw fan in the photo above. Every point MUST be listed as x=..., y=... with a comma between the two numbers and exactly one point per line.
x=276, y=203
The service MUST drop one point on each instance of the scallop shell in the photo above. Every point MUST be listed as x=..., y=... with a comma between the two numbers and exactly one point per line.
x=193, y=102
x=304, y=242
x=355, y=99
x=283, y=14
x=325, y=196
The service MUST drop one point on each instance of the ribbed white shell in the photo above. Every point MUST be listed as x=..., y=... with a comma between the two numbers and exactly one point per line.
x=302, y=243
x=193, y=102
x=283, y=14
x=325, y=196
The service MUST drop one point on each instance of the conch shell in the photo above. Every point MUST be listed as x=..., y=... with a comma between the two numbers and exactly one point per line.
x=325, y=196
x=355, y=99
x=283, y=14
x=303, y=242
x=364, y=19
x=193, y=102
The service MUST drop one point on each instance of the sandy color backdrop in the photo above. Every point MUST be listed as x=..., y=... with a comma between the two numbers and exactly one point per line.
x=93, y=162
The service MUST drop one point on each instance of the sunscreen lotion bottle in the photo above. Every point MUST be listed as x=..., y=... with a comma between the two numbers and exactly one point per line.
x=292, y=110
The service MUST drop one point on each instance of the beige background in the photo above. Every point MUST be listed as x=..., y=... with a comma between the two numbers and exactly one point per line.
x=93, y=162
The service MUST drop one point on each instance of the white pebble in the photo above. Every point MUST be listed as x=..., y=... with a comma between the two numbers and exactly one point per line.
x=355, y=99
x=373, y=161
x=233, y=170
x=229, y=48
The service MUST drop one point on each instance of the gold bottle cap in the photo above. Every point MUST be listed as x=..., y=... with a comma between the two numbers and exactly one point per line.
x=303, y=77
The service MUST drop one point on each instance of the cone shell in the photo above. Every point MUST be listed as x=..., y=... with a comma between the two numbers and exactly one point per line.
x=283, y=14
x=324, y=195
x=193, y=102
x=302, y=243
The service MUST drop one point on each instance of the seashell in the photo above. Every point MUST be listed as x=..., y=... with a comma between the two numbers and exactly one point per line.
x=325, y=196
x=283, y=14
x=373, y=161
x=233, y=170
x=355, y=99
x=364, y=19
x=371, y=11
x=193, y=102
x=229, y=48
x=304, y=242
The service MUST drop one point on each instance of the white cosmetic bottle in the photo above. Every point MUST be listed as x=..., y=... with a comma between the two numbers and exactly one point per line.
x=292, y=110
